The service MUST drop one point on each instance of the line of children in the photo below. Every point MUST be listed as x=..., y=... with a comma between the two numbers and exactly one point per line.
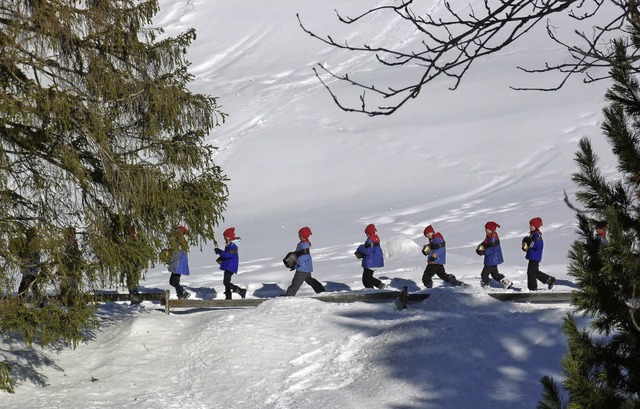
x=372, y=257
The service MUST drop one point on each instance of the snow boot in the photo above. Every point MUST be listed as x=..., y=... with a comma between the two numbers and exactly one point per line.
x=242, y=292
x=485, y=285
x=227, y=295
x=550, y=282
x=382, y=286
x=454, y=281
x=184, y=295
x=506, y=283
x=135, y=296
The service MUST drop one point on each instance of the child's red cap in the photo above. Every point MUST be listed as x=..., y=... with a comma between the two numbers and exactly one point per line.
x=304, y=232
x=491, y=226
x=370, y=230
x=230, y=233
x=536, y=222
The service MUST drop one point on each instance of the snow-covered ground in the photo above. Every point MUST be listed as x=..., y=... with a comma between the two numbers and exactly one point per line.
x=452, y=159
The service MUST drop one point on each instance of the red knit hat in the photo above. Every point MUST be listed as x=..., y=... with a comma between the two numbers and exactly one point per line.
x=536, y=222
x=230, y=233
x=428, y=230
x=304, y=232
x=370, y=230
x=182, y=230
x=491, y=226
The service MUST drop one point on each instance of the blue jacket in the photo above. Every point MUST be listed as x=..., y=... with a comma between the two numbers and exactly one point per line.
x=304, y=263
x=602, y=239
x=438, y=253
x=179, y=263
x=535, y=248
x=373, y=257
x=229, y=258
x=492, y=251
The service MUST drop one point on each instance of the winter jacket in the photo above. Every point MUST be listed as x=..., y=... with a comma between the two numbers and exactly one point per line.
x=492, y=250
x=534, y=252
x=229, y=258
x=304, y=263
x=179, y=263
x=438, y=253
x=372, y=254
x=30, y=261
x=602, y=238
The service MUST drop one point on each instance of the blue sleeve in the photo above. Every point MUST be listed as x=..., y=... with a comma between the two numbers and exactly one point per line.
x=364, y=249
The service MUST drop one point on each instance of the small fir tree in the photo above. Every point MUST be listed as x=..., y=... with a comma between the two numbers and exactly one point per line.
x=98, y=133
x=602, y=365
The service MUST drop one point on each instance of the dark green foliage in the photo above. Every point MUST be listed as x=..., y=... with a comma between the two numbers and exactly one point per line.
x=551, y=397
x=602, y=365
x=98, y=133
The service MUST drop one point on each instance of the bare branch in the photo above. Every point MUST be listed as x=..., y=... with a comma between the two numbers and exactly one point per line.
x=448, y=41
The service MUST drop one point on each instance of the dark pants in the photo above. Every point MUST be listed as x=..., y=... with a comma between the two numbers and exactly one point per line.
x=533, y=274
x=132, y=279
x=490, y=270
x=368, y=280
x=28, y=283
x=174, y=281
x=433, y=269
x=298, y=278
x=228, y=285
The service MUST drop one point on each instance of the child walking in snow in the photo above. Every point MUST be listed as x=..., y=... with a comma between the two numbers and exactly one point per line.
x=601, y=233
x=303, y=266
x=229, y=263
x=492, y=252
x=30, y=264
x=436, y=253
x=371, y=254
x=533, y=245
x=179, y=261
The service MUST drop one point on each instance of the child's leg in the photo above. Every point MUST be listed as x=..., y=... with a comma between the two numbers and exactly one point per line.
x=543, y=277
x=427, y=276
x=484, y=275
x=532, y=272
x=27, y=280
x=174, y=281
x=228, y=287
x=296, y=282
x=495, y=274
x=444, y=276
x=368, y=280
x=315, y=284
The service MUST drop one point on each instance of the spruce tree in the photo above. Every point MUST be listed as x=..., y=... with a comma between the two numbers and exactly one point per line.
x=602, y=364
x=99, y=132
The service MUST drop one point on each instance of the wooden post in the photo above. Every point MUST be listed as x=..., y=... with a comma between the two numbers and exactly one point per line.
x=404, y=297
x=167, y=294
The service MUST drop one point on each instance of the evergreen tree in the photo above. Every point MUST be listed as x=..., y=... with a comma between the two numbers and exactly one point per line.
x=98, y=133
x=602, y=365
